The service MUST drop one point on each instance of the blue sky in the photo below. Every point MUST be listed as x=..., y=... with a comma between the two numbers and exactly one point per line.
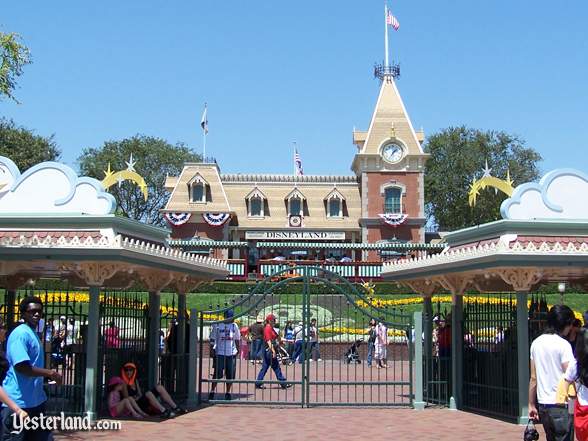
x=274, y=72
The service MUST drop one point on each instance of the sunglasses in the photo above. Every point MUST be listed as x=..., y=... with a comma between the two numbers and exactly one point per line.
x=35, y=311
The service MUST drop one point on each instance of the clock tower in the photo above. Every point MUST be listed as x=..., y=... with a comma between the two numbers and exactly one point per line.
x=390, y=165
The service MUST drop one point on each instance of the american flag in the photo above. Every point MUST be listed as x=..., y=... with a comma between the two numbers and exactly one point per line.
x=392, y=21
x=298, y=164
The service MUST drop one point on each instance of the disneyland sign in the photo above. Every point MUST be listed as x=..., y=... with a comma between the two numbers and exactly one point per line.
x=295, y=235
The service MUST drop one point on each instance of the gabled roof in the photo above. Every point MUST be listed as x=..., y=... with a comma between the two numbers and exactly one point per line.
x=334, y=193
x=256, y=192
x=197, y=178
x=295, y=193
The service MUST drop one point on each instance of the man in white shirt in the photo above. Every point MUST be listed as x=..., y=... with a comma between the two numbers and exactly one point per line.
x=226, y=337
x=550, y=355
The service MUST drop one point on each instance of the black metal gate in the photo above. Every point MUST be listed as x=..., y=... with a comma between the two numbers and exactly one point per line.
x=323, y=320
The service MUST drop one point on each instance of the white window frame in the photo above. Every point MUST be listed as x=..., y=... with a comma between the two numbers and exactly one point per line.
x=255, y=194
x=197, y=180
x=402, y=194
x=335, y=194
x=295, y=194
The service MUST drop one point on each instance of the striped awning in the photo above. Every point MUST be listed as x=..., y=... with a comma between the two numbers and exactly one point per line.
x=353, y=246
x=199, y=243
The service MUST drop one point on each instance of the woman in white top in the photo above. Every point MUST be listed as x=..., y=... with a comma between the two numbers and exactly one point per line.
x=577, y=373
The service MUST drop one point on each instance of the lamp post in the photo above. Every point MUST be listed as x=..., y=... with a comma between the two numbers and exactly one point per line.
x=561, y=287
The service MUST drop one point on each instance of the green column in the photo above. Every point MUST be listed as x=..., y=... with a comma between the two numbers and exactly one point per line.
x=92, y=365
x=523, y=356
x=192, y=357
x=181, y=362
x=153, y=343
x=419, y=403
x=428, y=341
x=456, y=352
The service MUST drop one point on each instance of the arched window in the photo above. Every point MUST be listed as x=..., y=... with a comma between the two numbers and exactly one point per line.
x=334, y=204
x=393, y=200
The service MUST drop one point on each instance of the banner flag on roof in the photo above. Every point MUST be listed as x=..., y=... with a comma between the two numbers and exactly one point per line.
x=204, y=120
x=392, y=21
x=298, y=163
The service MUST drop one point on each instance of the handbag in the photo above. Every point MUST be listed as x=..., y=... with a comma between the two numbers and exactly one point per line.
x=530, y=433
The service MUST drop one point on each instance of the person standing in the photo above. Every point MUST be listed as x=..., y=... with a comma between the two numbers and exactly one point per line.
x=550, y=356
x=111, y=336
x=271, y=340
x=24, y=379
x=371, y=341
x=256, y=336
x=298, y=343
x=381, y=345
x=226, y=337
x=314, y=351
x=577, y=374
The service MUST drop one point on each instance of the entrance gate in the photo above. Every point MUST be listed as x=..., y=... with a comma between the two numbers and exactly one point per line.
x=323, y=321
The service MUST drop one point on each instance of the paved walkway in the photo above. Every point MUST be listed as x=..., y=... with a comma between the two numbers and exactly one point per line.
x=226, y=423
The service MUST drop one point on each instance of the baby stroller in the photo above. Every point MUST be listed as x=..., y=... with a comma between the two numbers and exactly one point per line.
x=57, y=355
x=282, y=355
x=352, y=354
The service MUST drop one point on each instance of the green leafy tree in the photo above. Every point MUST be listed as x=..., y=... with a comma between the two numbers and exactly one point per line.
x=458, y=154
x=13, y=57
x=24, y=147
x=154, y=159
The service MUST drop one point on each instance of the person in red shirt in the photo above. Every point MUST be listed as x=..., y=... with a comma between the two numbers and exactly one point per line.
x=270, y=339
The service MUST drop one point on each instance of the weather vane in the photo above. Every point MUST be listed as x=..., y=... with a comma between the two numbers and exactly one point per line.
x=129, y=174
x=487, y=180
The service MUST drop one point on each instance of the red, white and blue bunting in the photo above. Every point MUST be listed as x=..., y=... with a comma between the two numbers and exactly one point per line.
x=393, y=219
x=177, y=219
x=216, y=219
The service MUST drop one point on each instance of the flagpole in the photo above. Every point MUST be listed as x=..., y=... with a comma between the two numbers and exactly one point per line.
x=205, y=129
x=385, y=35
x=204, y=146
x=294, y=157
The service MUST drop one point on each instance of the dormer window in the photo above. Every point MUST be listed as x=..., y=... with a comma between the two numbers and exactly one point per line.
x=197, y=187
x=255, y=203
x=295, y=201
x=295, y=206
x=256, y=207
x=334, y=204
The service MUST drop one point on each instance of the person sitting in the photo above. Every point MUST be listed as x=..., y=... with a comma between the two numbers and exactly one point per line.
x=147, y=400
x=120, y=406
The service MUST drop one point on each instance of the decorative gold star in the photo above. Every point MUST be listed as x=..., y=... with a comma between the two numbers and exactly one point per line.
x=509, y=181
x=108, y=173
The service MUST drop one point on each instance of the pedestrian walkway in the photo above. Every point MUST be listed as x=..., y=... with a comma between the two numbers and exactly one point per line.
x=229, y=423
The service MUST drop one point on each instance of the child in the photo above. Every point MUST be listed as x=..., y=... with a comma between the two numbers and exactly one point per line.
x=119, y=406
x=244, y=347
x=577, y=373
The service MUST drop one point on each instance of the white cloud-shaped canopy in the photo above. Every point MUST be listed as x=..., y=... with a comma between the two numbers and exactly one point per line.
x=560, y=194
x=51, y=188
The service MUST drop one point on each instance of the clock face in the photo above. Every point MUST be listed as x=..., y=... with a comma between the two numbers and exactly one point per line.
x=392, y=152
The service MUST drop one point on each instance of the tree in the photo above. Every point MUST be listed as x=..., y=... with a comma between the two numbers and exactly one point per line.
x=153, y=158
x=24, y=147
x=458, y=154
x=13, y=57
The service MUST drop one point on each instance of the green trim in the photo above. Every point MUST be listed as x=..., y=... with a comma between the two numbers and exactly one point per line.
x=86, y=221
x=205, y=243
x=353, y=246
x=556, y=227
